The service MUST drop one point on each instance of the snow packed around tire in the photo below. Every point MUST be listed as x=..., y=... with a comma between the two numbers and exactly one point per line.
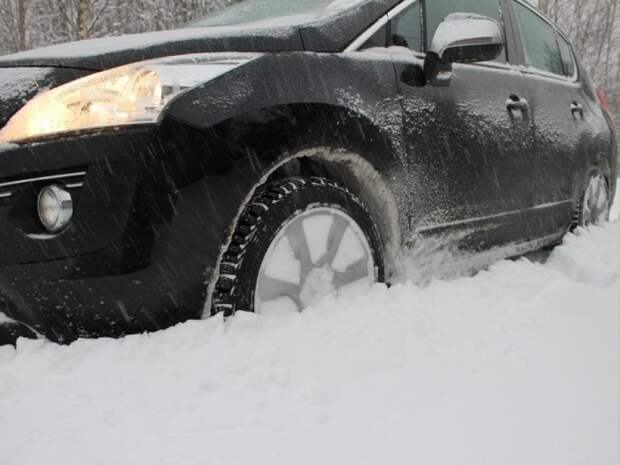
x=261, y=220
x=516, y=365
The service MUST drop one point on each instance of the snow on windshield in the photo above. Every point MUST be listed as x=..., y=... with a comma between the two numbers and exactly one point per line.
x=252, y=11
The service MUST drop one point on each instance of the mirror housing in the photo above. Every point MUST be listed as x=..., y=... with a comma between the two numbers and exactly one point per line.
x=467, y=38
x=463, y=38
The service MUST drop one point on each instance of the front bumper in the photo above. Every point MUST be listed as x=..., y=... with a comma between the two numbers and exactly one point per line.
x=11, y=331
x=155, y=208
x=65, y=307
x=107, y=273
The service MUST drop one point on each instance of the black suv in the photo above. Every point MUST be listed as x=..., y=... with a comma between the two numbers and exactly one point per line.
x=279, y=151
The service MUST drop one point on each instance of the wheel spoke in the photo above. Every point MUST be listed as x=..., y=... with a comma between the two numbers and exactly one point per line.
x=597, y=189
x=334, y=241
x=297, y=238
x=599, y=210
x=353, y=273
x=587, y=213
x=270, y=289
x=601, y=193
x=596, y=202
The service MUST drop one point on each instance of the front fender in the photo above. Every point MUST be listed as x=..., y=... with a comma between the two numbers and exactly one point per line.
x=260, y=115
x=363, y=83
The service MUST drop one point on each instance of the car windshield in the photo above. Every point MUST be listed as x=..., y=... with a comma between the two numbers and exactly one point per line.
x=252, y=11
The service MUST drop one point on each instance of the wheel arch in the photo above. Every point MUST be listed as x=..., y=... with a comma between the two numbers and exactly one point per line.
x=357, y=174
x=600, y=161
x=327, y=140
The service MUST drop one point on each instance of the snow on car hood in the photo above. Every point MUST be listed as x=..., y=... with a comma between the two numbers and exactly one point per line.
x=331, y=33
x=109, y=52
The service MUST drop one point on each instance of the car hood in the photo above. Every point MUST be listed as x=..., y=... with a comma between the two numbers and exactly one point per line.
x=109, y=52
x=298, y=33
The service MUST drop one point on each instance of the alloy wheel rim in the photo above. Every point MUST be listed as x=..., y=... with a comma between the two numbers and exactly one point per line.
x=595, y=202
x=317, y=253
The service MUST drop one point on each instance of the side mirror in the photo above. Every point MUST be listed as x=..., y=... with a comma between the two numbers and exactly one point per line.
x=467, y=38
x=463, y=38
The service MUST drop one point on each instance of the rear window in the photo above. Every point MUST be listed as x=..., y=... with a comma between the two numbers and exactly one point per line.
x=568, y=59
x=540, y=41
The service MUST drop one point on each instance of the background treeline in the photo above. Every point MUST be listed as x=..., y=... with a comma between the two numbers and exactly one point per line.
x=593, y=26
x=26, y=24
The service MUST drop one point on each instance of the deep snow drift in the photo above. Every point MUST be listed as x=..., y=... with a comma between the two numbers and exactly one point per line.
x=517, y=365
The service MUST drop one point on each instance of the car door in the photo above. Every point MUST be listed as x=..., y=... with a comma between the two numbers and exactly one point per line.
x=469, y=136
x=562, y=115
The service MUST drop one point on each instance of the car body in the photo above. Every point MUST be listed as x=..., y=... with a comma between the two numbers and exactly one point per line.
x=488, y=158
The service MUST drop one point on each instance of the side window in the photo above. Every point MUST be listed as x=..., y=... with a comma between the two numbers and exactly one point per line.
x=378, y=39
x=568, y=59
x=437, y=10
x=406, y=29
x=539, y=39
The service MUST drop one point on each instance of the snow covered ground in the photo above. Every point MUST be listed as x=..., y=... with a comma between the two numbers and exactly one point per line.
x=517, y=365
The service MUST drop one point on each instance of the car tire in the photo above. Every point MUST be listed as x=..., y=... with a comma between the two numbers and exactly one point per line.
x=594, y=201
x=292, y=216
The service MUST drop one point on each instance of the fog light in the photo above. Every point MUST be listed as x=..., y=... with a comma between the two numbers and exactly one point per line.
x=55, y=206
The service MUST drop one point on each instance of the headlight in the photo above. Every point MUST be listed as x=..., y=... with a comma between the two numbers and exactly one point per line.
x=132, y=94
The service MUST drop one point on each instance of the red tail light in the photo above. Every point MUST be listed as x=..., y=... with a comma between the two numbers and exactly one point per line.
x=602, y=100
x=604, y=104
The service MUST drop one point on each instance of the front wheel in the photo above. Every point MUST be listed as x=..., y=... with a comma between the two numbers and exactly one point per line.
x=298, y=240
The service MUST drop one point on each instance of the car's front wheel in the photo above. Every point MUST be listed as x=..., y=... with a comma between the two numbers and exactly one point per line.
x=297, y=241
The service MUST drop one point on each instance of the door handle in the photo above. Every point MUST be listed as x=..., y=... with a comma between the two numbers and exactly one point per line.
x=576, y=108
x=516, y=103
